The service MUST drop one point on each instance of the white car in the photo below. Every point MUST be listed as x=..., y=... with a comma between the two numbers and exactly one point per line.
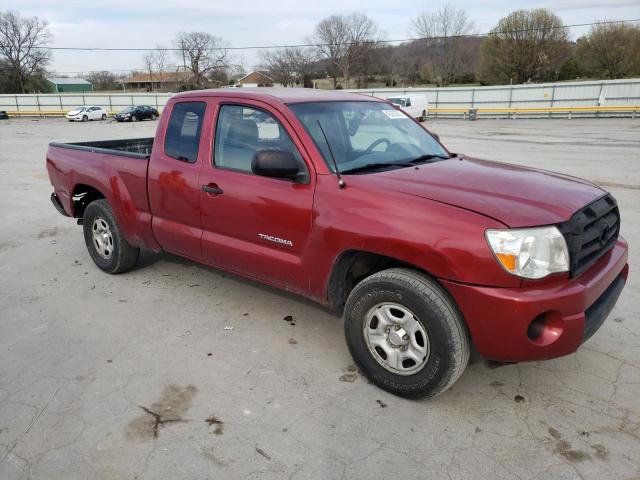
x=415, y=105
x=86, y=113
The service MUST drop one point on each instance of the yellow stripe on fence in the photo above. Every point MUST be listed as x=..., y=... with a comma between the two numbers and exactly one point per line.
x=612, y=108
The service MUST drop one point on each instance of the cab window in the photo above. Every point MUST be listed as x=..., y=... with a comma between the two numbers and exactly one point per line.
x=241, y=131
x=182, y=138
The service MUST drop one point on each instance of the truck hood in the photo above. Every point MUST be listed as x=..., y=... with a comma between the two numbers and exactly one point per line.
x=516, y=196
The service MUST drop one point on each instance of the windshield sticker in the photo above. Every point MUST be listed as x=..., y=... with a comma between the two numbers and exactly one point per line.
x=394, y=114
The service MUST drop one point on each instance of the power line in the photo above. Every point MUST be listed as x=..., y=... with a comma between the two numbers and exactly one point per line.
x=306, y=45
x=139, y=69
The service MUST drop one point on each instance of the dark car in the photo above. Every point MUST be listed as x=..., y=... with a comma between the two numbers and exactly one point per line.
x=3, y=115
x=140, y=112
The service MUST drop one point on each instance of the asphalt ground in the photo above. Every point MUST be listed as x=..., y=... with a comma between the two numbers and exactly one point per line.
x=176, y=370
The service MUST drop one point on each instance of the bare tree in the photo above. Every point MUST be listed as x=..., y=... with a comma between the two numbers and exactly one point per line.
x=526, y=45
x=21, y=42
x=149, y=60
x=610, y=51
x=289, y=66
x=161, y=59
x=442, y=33
x=202, y=54
x=363, y=44
x=103, y=80
x=156, y=61
x=331, y=39
x=345, y=40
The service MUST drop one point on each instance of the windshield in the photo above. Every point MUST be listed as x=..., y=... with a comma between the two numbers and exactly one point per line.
x=397, y=101
x=128, y=109
x=362, y=135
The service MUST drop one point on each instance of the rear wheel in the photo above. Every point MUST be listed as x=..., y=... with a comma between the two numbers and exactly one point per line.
x=406, y=333
x=108, y=248
x=104, y=116
x=154, y=116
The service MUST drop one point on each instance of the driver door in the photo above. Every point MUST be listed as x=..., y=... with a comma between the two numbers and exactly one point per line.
x=254, y=225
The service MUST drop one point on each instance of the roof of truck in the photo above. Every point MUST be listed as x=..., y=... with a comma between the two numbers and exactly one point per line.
x=285, y=95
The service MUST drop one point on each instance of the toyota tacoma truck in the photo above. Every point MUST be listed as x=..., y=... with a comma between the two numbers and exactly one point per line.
x=346, y=200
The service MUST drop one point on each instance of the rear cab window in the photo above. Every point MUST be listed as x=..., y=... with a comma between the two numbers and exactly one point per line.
x=182, y=138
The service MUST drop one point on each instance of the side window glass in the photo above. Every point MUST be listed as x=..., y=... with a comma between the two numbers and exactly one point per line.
x=241, y=131
x=183, y=131
x=408, y=102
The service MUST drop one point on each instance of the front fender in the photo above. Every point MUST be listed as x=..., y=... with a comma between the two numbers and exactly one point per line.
x=446, y=241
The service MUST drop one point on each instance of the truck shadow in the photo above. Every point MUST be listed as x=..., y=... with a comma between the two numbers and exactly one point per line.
x=149, y=258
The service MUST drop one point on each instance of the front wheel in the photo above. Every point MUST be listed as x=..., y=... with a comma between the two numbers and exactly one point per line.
x=108, y=248
x=85, y=118
x=405, y=333
x=134, y=118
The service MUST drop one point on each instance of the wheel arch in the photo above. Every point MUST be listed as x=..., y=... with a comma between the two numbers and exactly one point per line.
x=352, y=266
x=81, y=196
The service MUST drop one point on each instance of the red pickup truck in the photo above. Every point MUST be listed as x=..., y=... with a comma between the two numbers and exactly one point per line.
x=346, y=200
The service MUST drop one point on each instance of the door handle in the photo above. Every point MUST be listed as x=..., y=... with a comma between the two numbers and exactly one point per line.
x=212, y=188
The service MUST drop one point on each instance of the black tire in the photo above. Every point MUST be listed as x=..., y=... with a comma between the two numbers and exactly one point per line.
x=104, y=116
x=154, y=117
x=433, y=308
x=85, y=118
x=423, y=117
x=124, y=255
x=134, y=118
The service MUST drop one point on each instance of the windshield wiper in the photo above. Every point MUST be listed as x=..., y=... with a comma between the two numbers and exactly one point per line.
x=427, y=158
x=400, y=163
x=375, y=166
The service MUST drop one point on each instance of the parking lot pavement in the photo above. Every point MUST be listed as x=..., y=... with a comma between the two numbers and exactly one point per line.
x=177, y=371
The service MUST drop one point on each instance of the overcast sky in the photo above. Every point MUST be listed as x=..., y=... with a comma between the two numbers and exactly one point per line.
x=147, y=23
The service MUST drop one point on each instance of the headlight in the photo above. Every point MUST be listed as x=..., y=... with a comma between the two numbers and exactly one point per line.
x=530, y=252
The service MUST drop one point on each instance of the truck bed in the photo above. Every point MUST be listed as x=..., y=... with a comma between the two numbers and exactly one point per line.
x=131, y=147
x=113, y=169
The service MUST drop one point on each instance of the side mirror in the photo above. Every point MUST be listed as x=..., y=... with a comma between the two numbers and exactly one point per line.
x=275, y=164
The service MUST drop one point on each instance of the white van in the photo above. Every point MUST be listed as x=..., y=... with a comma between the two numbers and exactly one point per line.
x=415, y=104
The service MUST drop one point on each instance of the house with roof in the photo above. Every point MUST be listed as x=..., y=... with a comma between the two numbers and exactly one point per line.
x=157, y=81
x=257, y=79
x=69, y=85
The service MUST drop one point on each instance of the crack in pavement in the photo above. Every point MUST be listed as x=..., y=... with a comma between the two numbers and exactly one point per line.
x=159, y=420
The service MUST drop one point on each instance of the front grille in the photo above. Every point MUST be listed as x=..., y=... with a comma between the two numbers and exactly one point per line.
x=591, y=232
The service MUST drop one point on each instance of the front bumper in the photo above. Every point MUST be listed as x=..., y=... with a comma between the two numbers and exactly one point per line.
x=545, y=319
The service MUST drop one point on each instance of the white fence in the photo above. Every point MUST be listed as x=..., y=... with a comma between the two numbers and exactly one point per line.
x=549, y=95
x=56, y=102
x=587, y=98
